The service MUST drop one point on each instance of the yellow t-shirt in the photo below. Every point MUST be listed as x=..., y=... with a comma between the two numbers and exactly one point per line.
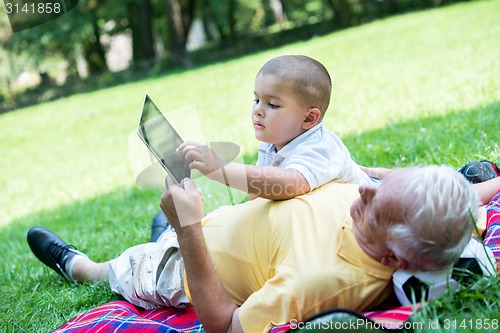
x=285, y=260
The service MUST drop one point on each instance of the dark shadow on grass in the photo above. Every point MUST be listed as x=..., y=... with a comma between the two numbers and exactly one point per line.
x=34, y=297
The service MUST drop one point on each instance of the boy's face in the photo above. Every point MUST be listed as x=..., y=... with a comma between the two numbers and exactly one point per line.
x=277, y=114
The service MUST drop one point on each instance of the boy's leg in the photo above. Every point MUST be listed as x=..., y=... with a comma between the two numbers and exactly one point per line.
x=65, y=259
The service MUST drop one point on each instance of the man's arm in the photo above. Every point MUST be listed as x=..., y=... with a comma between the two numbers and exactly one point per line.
x=214, y=308
x=258, y=181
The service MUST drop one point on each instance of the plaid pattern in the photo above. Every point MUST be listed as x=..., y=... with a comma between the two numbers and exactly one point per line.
x=392, y=319
x=492, y=236
x=121, y=316
x=388, y=319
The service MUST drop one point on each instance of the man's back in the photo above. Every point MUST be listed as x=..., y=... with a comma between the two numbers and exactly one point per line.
x=291, y=259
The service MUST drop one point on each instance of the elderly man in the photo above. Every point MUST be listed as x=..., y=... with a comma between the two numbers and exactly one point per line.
x=264, y=263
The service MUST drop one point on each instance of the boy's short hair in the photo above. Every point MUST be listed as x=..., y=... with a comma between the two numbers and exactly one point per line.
x=307, y=78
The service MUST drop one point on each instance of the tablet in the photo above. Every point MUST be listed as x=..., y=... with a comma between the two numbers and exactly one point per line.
x=162, y=140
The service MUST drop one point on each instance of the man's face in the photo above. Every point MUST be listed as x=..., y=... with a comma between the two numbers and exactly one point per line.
x=381, y=200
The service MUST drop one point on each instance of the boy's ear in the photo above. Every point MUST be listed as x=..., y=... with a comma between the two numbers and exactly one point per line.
x=312, y=118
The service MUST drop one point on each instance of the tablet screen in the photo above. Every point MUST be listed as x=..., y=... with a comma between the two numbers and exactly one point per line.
x=162, y=140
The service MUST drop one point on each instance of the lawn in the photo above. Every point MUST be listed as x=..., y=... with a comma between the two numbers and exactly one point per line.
x=414, y=89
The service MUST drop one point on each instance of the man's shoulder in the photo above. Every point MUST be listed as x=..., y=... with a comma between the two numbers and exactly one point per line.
x=333, y=190
x=332, y=198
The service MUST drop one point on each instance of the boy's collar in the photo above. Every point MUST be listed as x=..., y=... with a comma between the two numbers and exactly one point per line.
x=283, y=152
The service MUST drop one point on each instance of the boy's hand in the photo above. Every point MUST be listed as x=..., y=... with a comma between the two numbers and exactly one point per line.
x=200, y=157
x=183, y=206
x=378, y=173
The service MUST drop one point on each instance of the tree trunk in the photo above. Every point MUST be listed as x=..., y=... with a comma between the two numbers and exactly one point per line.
x=393, y=6
x=207, y=20
x=346, y=17
x=231, y=19
x=277, y=9
x=93, y=50
x=366, y=10
x=179, y=23
x=140, y=17
x=211, y=21
x=334, y=6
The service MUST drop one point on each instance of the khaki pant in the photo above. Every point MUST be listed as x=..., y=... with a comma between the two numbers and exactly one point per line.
x=151, y=275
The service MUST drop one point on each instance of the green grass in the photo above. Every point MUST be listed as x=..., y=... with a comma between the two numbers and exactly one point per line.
x=410, y=90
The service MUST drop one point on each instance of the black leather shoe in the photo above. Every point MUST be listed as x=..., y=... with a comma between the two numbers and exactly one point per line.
x=158, y=226
x=51, y=250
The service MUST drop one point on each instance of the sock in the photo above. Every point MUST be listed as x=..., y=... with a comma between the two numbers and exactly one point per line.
x=70, y=263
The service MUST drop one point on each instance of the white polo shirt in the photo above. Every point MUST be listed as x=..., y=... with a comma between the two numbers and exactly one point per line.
x=318, y=154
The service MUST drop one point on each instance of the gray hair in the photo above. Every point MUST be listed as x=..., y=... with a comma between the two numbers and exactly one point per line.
x=439, y=215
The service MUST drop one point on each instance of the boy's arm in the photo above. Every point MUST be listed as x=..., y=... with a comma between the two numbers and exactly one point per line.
x=487, y=190
x=262, y=181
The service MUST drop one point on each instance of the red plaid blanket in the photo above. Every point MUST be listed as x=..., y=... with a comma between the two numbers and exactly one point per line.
x=121, y=316
x=492, y=235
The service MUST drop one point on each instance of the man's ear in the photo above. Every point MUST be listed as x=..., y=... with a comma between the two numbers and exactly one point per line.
x=312, y=118
x=393, y=260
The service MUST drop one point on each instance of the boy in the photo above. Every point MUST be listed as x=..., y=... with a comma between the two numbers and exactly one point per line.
x=296, y=154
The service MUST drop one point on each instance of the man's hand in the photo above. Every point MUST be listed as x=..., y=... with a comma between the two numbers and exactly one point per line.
x=183, y=206
x=200, y=157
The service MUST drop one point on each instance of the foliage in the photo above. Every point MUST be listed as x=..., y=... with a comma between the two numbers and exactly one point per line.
x=53, y=41
x=54, y=47
x=410, y=90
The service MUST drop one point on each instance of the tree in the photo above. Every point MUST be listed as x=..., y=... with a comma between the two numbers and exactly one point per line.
x=92, y=47
x=5, y=68
x=221, y=15
x=58, y=39
x=346, y=15
x=277, y=9
x=343, y=12
x=140, y=16
x=180, y=16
